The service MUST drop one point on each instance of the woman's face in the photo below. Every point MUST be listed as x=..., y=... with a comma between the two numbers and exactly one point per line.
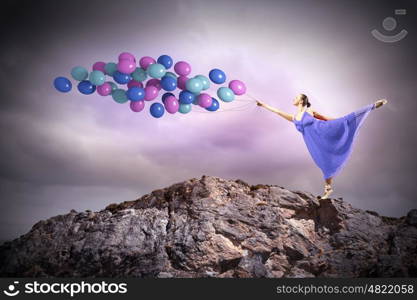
x=297, y=100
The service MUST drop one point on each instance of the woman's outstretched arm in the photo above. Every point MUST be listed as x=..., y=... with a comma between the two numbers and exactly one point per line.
x=276, y=110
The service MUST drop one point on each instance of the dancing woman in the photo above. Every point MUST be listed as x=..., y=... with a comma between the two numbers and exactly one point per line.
x=329, y=140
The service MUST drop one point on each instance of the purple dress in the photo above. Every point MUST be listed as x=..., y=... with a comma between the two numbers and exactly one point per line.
x=330, y=142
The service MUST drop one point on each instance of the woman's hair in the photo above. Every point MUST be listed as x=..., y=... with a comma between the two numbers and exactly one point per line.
x=305, y=100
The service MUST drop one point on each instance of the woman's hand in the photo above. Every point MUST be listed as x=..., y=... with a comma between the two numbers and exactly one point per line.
x=259, y=103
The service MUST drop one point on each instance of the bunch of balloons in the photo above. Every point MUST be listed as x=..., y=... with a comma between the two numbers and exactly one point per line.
x=145, y=80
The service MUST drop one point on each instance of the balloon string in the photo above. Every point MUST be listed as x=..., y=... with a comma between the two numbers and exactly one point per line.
x=239, y=108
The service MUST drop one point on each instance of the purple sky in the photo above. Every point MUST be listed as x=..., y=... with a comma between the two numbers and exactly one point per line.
x=64, y=151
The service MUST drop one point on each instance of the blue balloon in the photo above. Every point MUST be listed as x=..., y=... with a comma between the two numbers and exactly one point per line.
x=166, y=95
x=86, y=87
x=226, y=94
x=121, y=78
x=169, y=83
x=62, y=84
x=135, y=93
x=165, y=60
x=217, y=76
x=157, y=110
x=214, y=105
x=186, y=97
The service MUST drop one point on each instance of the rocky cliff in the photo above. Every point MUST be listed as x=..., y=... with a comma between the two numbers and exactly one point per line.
x=211, y=227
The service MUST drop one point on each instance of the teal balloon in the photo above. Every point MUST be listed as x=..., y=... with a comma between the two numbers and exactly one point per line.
x=171, y=74
x=204, y=80
x=225, y=94
x=184, y=108
x=194, y=85
x=156, y=70
x=79, y=73
x=97, y=77
x=113, y=86
x=110, y=68
x=119, y=95
x=139, y=74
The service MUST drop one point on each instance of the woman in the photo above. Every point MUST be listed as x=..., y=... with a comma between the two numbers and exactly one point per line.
x=329, y=140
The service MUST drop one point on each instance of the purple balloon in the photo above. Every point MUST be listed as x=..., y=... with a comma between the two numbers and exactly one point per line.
x=145, y=61
x=126, y=66
x=238, y=87
x=154, y=82
x=171, y=104
x=204, y=100
x=181, y=81
x=151, y=92
x=134, y=83
x=137, y=106
x=105, y=89
x=99, y=66
x=128, y=56
x=182, y=68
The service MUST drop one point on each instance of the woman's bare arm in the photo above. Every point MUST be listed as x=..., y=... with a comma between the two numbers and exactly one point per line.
x=320, y=116
x=276, y=110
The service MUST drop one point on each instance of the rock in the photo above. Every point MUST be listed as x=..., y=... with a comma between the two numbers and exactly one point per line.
x=212, y=227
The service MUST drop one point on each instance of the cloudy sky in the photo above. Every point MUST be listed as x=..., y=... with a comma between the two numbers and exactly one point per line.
x=71, y=151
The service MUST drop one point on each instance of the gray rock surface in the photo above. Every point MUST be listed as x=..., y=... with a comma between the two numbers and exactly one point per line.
x=212, y=227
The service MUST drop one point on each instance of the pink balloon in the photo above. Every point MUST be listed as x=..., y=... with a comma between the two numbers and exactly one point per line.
x=171, y=104
x=133, y=83
x=182, y=68
x=137, y=106
x=204, y=100
x=145, y=61
x=181, y=80
x=151, y=92
x=154, y=82
x=105, y=89
x=128, y=56
x=238, y=87
x=99, y=66
x=126, y=66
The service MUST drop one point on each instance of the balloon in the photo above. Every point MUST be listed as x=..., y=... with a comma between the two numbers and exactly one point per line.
x=151, y=93
x=62, y=84
x=137, y=106
x=195, y=101
x=165, y=60
x=157, y=110
x=225, y=94
x=171, y=74
x=119, y=96
x=169, y=83
x=135, y=93
x=186, y=97
x=154, y=82
x=139, y=74
x=86, y=87
x=204, y=100
x=217, y=76
x=165, y=95
x=145, y=61
x=182, y=68
x=184, y=108
x=97, y=77
x=110, y=68
x=128, y=56
x=194, y=85
x=156, y=70
x=126, y=66
x=105, y=89
x=99, y=66
x=121, y=78
x=214, y=105
x=113, y=85
x=79, y=73
x=171, y=104
x=181, y=81
x=238, y=87
x=133, y=83
x=204, y=80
